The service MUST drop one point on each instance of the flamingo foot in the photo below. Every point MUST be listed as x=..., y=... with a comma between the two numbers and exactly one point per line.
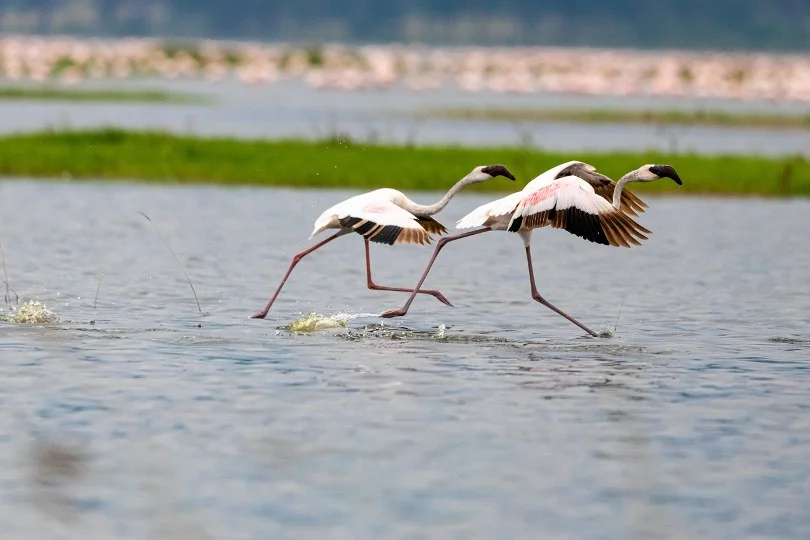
x=438, y=296
x=259, y=315
x=391, y=313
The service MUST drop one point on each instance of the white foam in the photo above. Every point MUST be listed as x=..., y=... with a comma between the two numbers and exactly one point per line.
x=31, y=313
x=314, y=322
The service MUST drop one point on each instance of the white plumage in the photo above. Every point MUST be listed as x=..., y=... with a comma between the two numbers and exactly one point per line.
x=379, y=216
x=486, y=213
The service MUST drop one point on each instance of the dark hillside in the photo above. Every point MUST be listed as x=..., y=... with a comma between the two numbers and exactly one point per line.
x=720, y=24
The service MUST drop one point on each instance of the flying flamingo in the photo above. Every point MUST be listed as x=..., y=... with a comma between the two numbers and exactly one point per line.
x=387, y=216
x=571, y=196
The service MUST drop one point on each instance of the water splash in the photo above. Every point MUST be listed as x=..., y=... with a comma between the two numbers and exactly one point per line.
x=31, y=313
x=316, y=322
x=396, y=332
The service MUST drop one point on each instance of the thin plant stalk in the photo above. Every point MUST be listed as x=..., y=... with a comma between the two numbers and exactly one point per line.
x=175, y=258
x=6, y=296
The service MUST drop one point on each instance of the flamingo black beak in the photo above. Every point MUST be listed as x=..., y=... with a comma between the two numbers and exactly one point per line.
x=498, y=170
x=666, y=171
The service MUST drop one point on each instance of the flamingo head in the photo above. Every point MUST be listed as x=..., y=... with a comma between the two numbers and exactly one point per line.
x=648, y=173
x=486, y=172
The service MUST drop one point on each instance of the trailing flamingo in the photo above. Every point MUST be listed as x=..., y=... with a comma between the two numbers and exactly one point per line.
x=387, y=216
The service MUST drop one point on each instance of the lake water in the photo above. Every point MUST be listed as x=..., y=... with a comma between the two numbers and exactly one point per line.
x=692, y=421
x=291, y=109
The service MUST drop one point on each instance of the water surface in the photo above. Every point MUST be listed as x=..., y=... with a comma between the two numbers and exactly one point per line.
x=690, y=422
x=290, y=108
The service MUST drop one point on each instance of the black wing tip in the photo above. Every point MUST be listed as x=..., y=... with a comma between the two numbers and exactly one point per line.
x=585, y=225
x=372, y=231
x=515, y=224
x=388, y=235
x=431, y=225
x=349, y=221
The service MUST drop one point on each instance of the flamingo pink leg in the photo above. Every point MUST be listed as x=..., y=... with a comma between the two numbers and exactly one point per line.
x=263, y=313
x=536, y=296
x=373, y=286
x=399, y=312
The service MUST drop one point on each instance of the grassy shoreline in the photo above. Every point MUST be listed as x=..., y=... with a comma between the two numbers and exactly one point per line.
x=111, y=154
x=53, y=93
x=625, y=116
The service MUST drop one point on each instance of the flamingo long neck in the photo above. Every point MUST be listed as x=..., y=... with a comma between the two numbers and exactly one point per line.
x=617, y=191
x=435, y=208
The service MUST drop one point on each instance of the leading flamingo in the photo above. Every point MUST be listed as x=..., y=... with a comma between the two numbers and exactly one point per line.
x=387, y=216
x=571, y=196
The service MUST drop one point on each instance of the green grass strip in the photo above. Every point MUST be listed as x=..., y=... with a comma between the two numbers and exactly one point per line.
x=49, y=93
x=160, y=157
x=625, y=116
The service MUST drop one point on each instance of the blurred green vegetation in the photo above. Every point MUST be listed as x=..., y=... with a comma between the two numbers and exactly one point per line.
x=49, y=93
x=160, y=157
x=626, y=116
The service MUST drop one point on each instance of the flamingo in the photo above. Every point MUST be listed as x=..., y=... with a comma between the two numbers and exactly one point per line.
x=571, y=196
x=387, y=216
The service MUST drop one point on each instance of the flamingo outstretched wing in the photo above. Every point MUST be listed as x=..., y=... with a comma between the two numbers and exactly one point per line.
x=378, y=219
x=386, y=223
x=484, y=214
x=571, y=203
x=431, y=225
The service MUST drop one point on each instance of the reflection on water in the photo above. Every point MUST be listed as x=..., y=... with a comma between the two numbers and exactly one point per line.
x=493, y=419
